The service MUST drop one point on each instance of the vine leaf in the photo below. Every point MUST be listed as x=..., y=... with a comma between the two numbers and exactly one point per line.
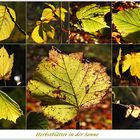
x=6, y=23
x=65, y=84
x=6, y=64
x=128, y=24
x=10, y=110
x=92, y=17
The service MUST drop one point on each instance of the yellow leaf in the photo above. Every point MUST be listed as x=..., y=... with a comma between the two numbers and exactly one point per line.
x=42, y=32
x=117, y=71
x=65, y=84
x=36, y=37
x=47, y=15
x=133, y=61
x=51, y=6
x=6, y=64
x=134, y=111
x=9, y=109
x=6, y=23
x=126, y=63
x=60, y=12
x=135, y=64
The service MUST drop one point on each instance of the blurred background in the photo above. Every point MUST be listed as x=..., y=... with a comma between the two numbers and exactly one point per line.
x=96, y=117
x=18, y=95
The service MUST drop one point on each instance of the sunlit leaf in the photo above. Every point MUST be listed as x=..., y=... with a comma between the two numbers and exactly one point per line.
x=117, y=71
x=92, y=17
x=47, y=15
x=133, y=110
x=61, y=13
x=9, y=109
x=42, y=32
x=128, y=24
x=6, y=23
x=65, y=84
x=6, y=64
x=126, y=63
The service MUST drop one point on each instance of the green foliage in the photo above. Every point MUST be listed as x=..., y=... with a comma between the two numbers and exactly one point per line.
x=10, y=110
x=37, y=121
x=65, y=85
x=6, y=23
x=127, y=23
x=92, y=17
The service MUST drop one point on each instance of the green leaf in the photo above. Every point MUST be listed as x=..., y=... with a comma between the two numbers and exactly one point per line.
x=37, y=120
x=92, y=17
x=10, y=110
x=128, y=24
x=65, y=85
x=6, y=23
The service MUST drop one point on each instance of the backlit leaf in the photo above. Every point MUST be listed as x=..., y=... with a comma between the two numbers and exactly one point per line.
x=133, y=110
x=60, y=12
x=65, y=84
x=9, y=109
x=47, y=15
x=128, y=24
x=6, y=23
x=42, y=32
x=117, y=71
x=92, y=17
x=6, y=64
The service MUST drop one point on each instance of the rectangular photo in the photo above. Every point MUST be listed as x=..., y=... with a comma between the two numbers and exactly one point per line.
x=69, y=87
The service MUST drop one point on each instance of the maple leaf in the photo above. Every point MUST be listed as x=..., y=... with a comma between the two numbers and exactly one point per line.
x=65, y=84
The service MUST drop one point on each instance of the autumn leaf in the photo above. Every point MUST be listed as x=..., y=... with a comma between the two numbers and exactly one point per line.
x=6, y=64
x=65, y=84
x=92, y=17
x=132, y=61
x=127, y=23
x=6, y=23
x=42, y=32
x=10, y=110
x=133, y=110
x=117, y=71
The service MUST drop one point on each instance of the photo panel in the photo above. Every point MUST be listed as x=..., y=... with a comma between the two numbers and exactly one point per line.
x=12, y=22
x=90, y=22
x=125, y=22
x=12, y=65
x=13, y=108
x=69, y=86
x=126, y=63
x=47, y=22
x=126, y=107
